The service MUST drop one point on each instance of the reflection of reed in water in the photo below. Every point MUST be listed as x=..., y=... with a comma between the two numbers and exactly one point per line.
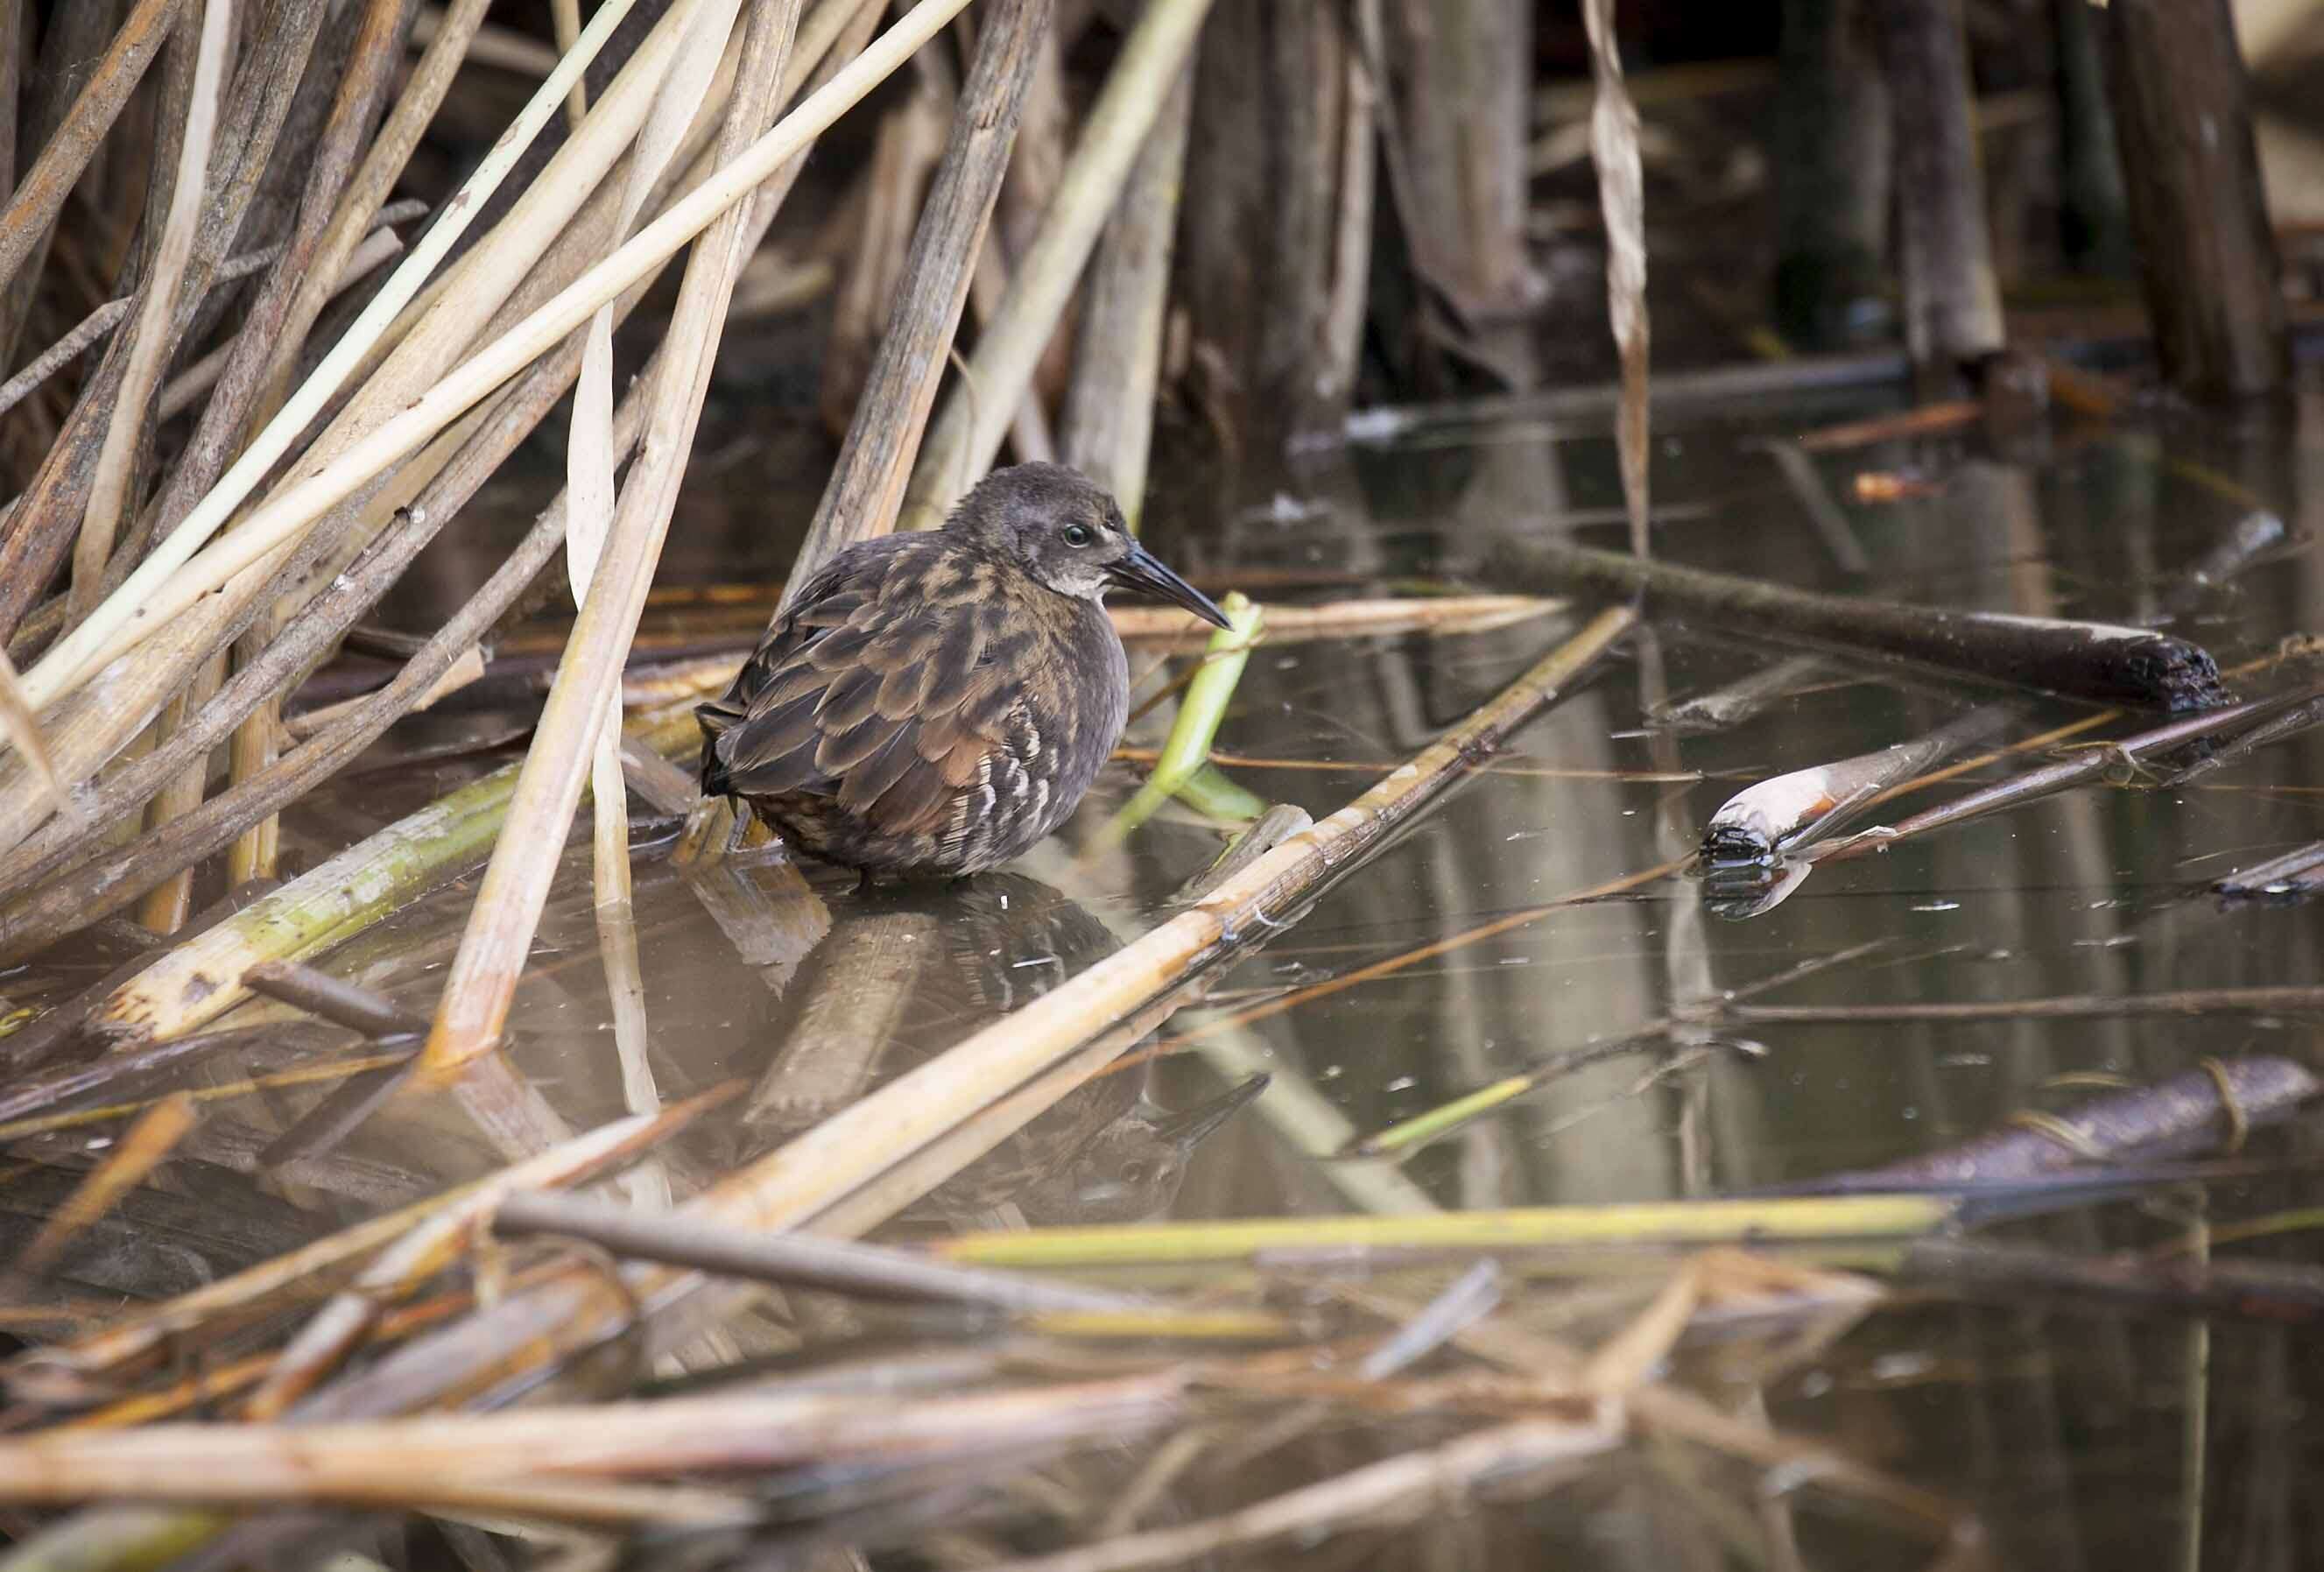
x=907, y=972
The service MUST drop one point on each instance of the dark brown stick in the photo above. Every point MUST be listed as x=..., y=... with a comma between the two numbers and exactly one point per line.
x=2092, y=661
x=12, y=50
x=797, y=1260
x=2172, y=1118
x=333, y=999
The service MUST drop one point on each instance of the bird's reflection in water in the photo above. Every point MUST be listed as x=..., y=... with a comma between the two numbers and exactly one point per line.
x=905, y=973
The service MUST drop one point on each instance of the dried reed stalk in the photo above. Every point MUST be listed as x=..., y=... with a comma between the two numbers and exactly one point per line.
x=40, y=196
x=483, y=975
x=589, y=503
x=51, y=509
x=70, y=903
x=426, y=1459
x=169, y=590
x=168, y=905
x=390, y=149
x=139, y=601
x=199, y=980
x=444, y=1238
x=867, y=484
x=117, y=705
x=918, y=1112
x=151, y=337
x=966, y=435
x=1109, y=417
x=1622, y=197
x=1404, y=1487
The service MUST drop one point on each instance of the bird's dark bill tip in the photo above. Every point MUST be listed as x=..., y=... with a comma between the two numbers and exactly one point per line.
x=1143, y=571
x=1190, y=1125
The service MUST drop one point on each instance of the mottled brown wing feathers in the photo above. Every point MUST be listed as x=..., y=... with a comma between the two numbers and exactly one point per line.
x=871, y=692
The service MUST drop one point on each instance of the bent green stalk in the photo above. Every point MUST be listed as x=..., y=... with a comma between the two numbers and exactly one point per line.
x=1180, y=769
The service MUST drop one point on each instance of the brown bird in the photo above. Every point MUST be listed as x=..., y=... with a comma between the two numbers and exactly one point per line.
x=935, y=704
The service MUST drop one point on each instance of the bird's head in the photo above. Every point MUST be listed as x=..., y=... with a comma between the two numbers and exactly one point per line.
x=1065, y=531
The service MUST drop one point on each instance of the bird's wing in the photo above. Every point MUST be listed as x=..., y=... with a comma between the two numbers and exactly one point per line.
x=872, y=691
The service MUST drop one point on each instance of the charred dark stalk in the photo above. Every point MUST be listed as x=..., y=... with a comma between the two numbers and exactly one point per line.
x=1952, y=306
x=2183, y=115
x=793, y=1259
x=2194, y=1111
x=867, y=484
x=2092, y=661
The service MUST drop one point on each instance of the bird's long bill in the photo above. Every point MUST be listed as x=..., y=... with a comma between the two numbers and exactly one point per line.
x=1190, y=1126
x=1143, y=571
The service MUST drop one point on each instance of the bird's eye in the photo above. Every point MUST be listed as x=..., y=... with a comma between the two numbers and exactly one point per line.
x=1079, y=534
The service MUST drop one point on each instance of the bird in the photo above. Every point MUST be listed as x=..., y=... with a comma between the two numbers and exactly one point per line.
x=932, y=704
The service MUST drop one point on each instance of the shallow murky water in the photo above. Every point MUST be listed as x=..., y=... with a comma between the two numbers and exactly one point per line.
x=2082, y=1438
